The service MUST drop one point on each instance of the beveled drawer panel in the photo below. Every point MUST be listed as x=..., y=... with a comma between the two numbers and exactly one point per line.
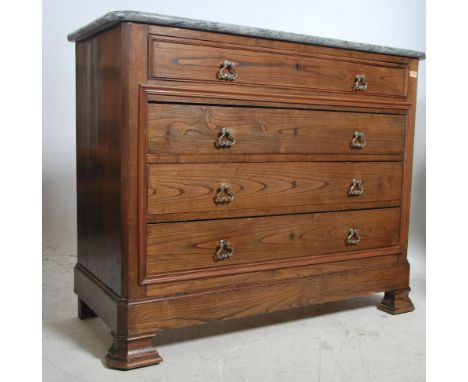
x=179, y=129
x=195, y=61
x=173, y=247
x=239, y=189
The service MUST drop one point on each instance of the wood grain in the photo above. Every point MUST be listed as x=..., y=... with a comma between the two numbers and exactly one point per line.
x=98, y=155
x=97, y=296
x=191, y=245
x=408, y=164
x=271, y=158
x=230, y=281
x=286, y=47
x=191, y=188
x=250, y=95
x=194, y=129
x=197, y=60
x=149, y=109
x=134, y=72
x=198, y=309
x=131, y=353
x=183, y=92
x=181, y=276
x=397, y=302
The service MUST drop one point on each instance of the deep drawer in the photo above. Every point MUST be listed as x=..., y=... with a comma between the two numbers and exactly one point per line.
x=178, y=129
x=195, y=61
x=173, y=247
x=248, y=189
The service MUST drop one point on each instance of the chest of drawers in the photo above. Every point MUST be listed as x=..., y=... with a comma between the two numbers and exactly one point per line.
x=225, y=172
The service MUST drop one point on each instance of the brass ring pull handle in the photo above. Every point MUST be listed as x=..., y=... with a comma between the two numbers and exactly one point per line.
x=360, y=83
x=224, y=194
x=353, y=237
x=356, y=188
x=225, y=139
x=359, y=140
x=227, y=72
x=224, y=250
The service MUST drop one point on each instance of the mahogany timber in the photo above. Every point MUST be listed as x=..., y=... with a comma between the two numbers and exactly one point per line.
x=136, y=92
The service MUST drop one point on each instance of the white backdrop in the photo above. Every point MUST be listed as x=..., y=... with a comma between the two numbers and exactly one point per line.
x=397, y=23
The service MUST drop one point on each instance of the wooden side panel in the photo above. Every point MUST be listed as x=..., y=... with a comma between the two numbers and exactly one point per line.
x=98, y=140
x=408, y=161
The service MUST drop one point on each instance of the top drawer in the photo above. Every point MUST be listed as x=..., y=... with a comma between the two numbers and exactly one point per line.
x=195, y=61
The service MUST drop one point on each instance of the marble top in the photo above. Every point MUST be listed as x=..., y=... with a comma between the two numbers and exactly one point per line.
x=112, y=18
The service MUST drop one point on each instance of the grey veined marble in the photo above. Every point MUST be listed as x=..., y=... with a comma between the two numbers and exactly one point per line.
x=112, y=18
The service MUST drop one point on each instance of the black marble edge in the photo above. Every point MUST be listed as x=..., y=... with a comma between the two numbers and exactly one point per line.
x=112, y=18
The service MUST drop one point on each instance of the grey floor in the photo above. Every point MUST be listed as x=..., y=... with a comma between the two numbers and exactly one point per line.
x=345, y=341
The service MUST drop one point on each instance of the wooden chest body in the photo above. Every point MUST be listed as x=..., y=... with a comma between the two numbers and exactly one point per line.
x=304, y=200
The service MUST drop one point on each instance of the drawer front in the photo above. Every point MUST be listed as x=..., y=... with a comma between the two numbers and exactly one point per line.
x=176, y=129
x=182, y=59
x=239, y=189
x=173, y=247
